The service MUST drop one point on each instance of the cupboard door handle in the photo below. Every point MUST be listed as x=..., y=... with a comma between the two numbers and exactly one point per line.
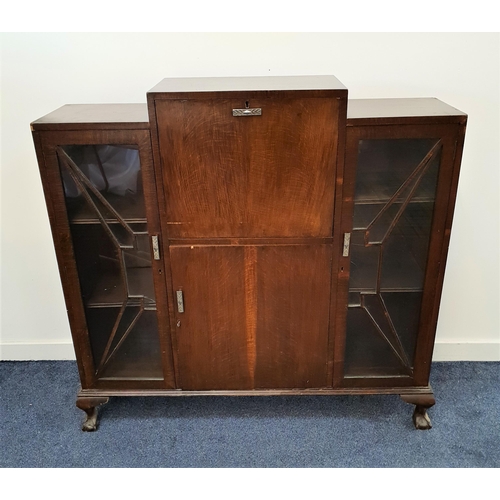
x=156, y=247
x=180, y=301
x=247, y=112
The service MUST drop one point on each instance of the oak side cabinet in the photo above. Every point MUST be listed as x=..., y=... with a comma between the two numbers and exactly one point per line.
x=252, y=236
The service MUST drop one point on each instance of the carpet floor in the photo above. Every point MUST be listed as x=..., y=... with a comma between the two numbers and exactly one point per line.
x=40, y=425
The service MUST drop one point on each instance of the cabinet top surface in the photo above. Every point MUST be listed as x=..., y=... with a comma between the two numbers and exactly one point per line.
x=135, y=116
x=84, y=116
x=361, y=111
x=255, y=83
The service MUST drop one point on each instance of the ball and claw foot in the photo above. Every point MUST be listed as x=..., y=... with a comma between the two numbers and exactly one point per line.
x=420, y=418
x=90, y=423
x=89, y=406
x=422, y=403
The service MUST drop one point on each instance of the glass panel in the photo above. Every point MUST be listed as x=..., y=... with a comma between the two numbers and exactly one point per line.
x=375, y=180
x=393, y=208
x=367, y=353
x=105, y=204
x=114, y=172
x=137, y=355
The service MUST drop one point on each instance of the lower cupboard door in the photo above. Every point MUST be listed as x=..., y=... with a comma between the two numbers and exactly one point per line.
x=251, y=317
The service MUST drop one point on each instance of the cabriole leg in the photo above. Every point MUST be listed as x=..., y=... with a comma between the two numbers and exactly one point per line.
x=89, y=406
x=422, y=403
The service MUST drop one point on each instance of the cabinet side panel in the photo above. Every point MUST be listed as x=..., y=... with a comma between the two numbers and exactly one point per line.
x=54, y=197
x=446, y=198
x=271, y=175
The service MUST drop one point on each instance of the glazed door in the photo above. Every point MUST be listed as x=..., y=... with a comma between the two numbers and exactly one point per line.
x=114, y=284
x=396, y=203
x=251, y=317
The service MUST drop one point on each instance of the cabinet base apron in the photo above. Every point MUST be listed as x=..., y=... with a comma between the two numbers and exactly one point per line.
x=422, y=397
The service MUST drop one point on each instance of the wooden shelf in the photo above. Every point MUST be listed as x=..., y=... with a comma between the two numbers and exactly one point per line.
x=110, y=289
x=131, y=209
x=365, y=212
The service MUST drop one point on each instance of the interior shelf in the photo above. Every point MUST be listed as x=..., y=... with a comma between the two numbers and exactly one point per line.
x=401, y=269
x=130, y=208
x=366, y=211
x=376, y=188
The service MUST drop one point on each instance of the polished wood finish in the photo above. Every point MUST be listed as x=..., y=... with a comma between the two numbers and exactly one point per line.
x=211, y=337
x=250, y=322
x=341, y=391
x=95, y=116
x=261, y=176
x=242, y=87
x=401, y=111
x=250, y=214
x=292, y=292
x=425, y=346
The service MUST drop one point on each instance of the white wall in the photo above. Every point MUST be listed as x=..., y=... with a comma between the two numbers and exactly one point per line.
x=41, y=72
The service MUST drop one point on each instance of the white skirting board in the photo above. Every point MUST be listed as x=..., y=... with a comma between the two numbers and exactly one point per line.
x=443, y=351
x=466, y=351
x=31, y=351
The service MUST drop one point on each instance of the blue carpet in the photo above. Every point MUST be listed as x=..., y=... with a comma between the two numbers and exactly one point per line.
x=40, y=425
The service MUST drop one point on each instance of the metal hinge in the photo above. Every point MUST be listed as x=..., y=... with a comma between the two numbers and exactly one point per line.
x=180, y=301
x=156, y=248
x=347, y=240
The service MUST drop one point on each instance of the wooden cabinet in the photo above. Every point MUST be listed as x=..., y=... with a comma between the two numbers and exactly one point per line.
x=252, y=236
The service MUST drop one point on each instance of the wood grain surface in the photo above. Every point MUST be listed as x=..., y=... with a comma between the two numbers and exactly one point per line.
x=95, y=117
x=260, y=176
x=243, y=86
x=401, y=111
x=293, y=300
x=255, y=316
x=211, y=333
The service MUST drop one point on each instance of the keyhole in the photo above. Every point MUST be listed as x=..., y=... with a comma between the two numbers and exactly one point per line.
x=247, y=104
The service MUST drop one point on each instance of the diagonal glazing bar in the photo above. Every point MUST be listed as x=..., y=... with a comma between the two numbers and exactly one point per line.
x=125, y=334
x=395, y=348
x=92, y=204
x=111, y=337
x=83, y=178
x=392, y=328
